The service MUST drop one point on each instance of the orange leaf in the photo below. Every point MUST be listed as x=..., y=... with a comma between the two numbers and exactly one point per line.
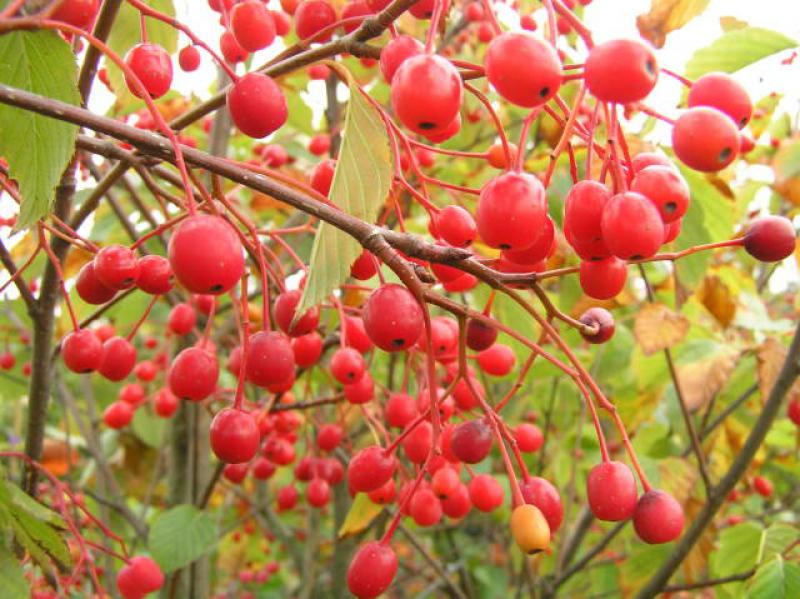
x=716, y=297
x=770, y=356
x=702, y=379
x=666, y=16
x=657, y=327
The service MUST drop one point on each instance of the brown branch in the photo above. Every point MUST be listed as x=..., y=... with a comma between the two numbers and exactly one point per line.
x=710, y=583
x=102, y=27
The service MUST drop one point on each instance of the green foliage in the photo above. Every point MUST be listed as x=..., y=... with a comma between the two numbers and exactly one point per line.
x=180, y=536
x=775, y=579
x=737, y=49
x=37, y=148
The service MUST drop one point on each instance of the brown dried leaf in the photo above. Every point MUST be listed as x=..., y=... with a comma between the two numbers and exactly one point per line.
x=657, y=327
x=770, y=356
x=666, y=16
x=702, y=379
x=716, y=297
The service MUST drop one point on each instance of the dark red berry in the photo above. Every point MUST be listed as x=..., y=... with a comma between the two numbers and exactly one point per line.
x=603, y=320
x=393, y=318
x=658, y=517
x=770, y=238
x=471, y=441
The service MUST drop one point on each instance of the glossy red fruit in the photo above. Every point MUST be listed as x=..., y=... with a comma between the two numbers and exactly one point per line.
x=762, y=486
x=257, y=105
x=480, y=336
x=471, y=441
x=234, y=436
x=611, y=491
x=621, y=71
x=235, y=473
x=372, y=570
x=396, y=52
x=263, y=469
x=356, y=334
x=583, y=209
x=365, y=266
x=118, y=415
x=369, y=469
x=456, y=226
x=193, y=374
x=286, y=497
x=116, y=267
x=486, y=493
x=182, y=319
x=90, y=288
x=285, y=307
x=671, y=231
x=362, y=391
x=542, y=248
x=252, y=25
x=508, y=63
x=329, y=436
x=311, y=17
x=307, y=349
x=82, y=351
x=7, y=360
x=282, y=23
x=603, y=320
x=79, y=13
x=445, y=482
x=425, y=508
x=146, y=370
x=666, y=189
x=511, y=212
x=232, y=52
x=632, y=226
x=541, y=493
x=385, y=494
x=322, y=176
x=347, y=365
x=152, y=65
x=392, y=318
x=132, y=393
x=658, y=517
x=793, y=410
x=318, y=492
x=529, y=437
x=603, y=279
x=189, y=59
x=165, y=404
x=419, y=442
x=723, y=92
x=353, y=9
x=498, y=360
x=140, y=577
x=770, y=238
x=705, y=139
x=319, y=144
x=457, y=504
x=401, y=409
x=119, y=358
x=155, y=275
x=426, y=93
x=423, y=9
x=270, y=359
x=206, y=255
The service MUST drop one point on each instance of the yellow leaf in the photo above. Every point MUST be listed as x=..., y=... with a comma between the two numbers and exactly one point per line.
x=75, y=260
x=731, y=23
x=362, y=512
x=715, y=295
x=666, y=16
x=702, y=379
x=657, y=327
x=770, y=357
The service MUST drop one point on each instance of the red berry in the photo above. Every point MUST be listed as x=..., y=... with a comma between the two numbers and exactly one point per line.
x=426, y=93
x=793, y=411
x=362, y=391
x=353, y=9
x=632, y=227
x=396, y=52
x=512, y=211
x=666, y=188
x=7, y=360
x=480, y=336
x=723, y=92
x=139, y=578
x=287, y=497
x=658, y=517
x=458, y=504
x=542, y=248
x=282, y=23
x=311, y=17
x=705, y=139
x=541, y=493
x=166, y=403
x=401, y=409
x=319, y=144
x=119, y=358
x=116, y=267
x=611, y=491
x=498, y=360
x=193, y=374
x=322, y=176
x=456, y=226
x=79, y=13
x=234, y=436
x=152, y=65
x=385, y=494
x=235, y=473
x=392, y=318
x=82, y=351
x=508, y=63
x=425, y=508
x=182, y=319
x=762, y=486
x=257, y=105
x=232, y=52
x=620, y=71
x=252, y=25
x=318, y=492
x=270, y=359
x=603, y=279
x=206, y=255
x=418, y=444
x=329, y=436
x=189, y=58
x=445, y=482
x=155, y=275
x=583, y=209
x=285, y=307
x=603, y=320
x=471, y=441
x=770, y=238
x=528, y=437
x=486, y=493
x=90, y=288
x=307, y=349
x=372, y=570
x=365, y=266
x=347, y=365
x=369, y=469
x=422, y=9
x=132, y=393
x=263, y=469
x=118, y=415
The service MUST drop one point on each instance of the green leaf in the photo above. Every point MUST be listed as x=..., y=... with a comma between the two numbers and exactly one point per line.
x=40, y=539
x=20, y=500
x=12, y=580
x=360, y=183
x=36, y=147
x=736, y=49
x=738, y=550
x=776, y=579
x=180, y=536
x=149, y=427
x=126, y=33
